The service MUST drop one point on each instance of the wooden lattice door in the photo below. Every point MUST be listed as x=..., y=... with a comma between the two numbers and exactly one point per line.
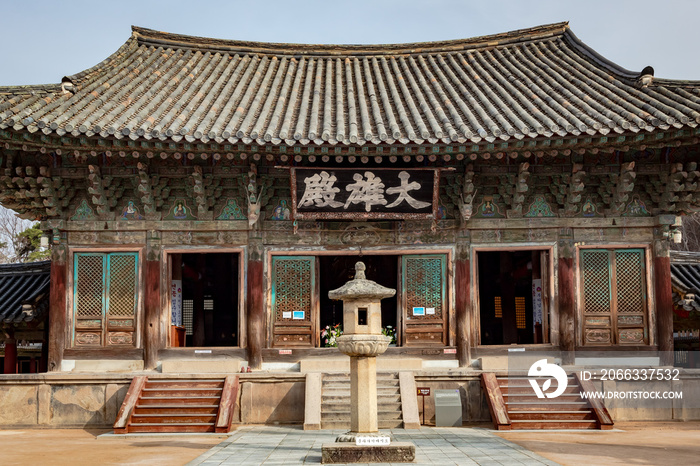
x=294, y=303
x=105, y=299
x=424, y=299
x=614, y=297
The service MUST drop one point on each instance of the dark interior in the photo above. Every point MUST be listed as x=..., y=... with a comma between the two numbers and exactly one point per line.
x=508, y=275
x=210, y=287
x=335, y=271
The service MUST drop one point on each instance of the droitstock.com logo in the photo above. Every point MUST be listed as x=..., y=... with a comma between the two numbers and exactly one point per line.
x=542, y=368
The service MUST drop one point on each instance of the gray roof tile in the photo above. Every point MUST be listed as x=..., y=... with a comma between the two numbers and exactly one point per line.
x=523, y=84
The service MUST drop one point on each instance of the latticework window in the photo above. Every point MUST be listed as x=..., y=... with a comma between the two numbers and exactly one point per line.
x=424, y=299
x=520, y=319
x=614, y=297
x=293, y=284
x=105, y=299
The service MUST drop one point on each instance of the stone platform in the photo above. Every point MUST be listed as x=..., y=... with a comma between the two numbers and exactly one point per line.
x=346, y=452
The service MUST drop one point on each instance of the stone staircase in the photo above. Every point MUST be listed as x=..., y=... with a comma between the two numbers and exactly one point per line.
x=177, y=406
x=514, y=405
x=335, y=401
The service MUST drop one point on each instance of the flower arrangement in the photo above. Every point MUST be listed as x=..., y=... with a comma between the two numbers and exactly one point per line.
x=330, y=334
x=390, y=331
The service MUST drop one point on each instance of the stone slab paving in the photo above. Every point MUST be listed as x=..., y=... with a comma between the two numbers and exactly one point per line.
x=268, y=445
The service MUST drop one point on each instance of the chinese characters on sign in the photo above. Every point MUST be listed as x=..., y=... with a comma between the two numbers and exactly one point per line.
x=372, y=193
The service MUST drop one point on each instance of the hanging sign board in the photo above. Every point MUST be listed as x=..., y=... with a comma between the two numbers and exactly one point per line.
x=176, y=302
x=357, y=193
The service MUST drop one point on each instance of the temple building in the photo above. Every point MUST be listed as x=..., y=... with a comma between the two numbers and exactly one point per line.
x=202, y=197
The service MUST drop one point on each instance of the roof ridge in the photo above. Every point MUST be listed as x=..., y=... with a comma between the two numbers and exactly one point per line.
x=159, y=38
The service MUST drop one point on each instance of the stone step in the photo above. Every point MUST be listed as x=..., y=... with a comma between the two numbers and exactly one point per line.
x=162, y=400
x=171, y=428
x=346, y=377
x=584, y=414
x=173, y=418
x=345, y=407
x=346, y=424
x=176, y=409
x=180, y=392
x=346, y=398
x=554, y=424
x=345, y=391
x=167, y=383
x=340, y=415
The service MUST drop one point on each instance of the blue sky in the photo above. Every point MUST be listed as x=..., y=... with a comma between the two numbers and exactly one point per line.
x=43, y=41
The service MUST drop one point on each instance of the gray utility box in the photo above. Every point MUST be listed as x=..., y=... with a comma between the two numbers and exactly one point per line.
x=448, y=408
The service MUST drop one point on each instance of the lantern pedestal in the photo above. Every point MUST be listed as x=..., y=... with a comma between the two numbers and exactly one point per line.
x=363, y=341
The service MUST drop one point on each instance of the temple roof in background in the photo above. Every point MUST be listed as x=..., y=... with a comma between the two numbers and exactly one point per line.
x=685, y=277
x=532, y=83
x=24, y=291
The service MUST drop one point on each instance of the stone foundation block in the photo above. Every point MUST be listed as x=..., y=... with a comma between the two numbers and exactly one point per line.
x=345, y=452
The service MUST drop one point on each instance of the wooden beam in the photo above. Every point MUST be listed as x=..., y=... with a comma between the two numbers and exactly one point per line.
x=255, y=318
x=96, y=188
x=599, y=410
x=462, y=303
x=520, y=189
x=227, y=405
x=200, y=196
x=623, y=185
x=151, y=334
x=57, y=310
x=144, y=187
x=10, y=359
x=575, y=188
x=121, y=423
x=494, y=399
x=664, y=307
x=566, y=301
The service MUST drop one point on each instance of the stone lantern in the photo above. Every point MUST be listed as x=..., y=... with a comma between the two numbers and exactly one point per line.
x=362, y=340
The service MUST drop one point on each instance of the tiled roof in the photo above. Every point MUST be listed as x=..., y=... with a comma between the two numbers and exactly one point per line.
x=685, y=277
x=531, y=83
x=24, y=284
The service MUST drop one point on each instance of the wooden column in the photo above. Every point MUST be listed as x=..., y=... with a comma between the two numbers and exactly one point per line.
x=463, y=303
x=57, y=309
x=10, y=365
x=510, y=329
x=151, y=333
x=566, y=298
x=254, y=299
x=663, y=301
x=198, y=321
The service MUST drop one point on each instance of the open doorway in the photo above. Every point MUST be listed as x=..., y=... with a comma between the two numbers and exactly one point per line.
x=335, y=271
x=511, y=296
x=205, y=299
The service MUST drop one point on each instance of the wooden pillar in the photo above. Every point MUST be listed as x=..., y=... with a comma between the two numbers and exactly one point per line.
x=663, y=302
x=510, y=329
x=32, y=365
x=57, y=309
x=566, y=298
x=10, y=365
x=151, y=334
x=463, y=303
x=198, y=320
x=254, y=287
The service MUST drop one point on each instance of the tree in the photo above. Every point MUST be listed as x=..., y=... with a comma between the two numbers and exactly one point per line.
x=690, y=231
x=15, y=244
x=29, y=245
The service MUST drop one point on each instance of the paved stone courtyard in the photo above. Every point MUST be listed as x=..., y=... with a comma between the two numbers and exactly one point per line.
x=255, y=445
